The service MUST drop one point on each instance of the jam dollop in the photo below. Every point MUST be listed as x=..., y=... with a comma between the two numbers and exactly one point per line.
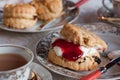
x=70, y=50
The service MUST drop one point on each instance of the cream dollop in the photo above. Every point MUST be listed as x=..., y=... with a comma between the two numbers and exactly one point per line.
x=86, y=51
x=58, y=51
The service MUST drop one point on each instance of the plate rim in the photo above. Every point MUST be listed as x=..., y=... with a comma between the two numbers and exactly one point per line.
x=27, y=31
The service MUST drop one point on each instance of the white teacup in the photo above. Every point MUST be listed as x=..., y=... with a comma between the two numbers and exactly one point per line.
x=19, y=73
x=115, y=5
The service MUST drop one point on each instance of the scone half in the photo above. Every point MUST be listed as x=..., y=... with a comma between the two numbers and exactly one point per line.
x=20, y=10
x=79, y=35
x=82, y=64
x=19, y=16
x=48, y=9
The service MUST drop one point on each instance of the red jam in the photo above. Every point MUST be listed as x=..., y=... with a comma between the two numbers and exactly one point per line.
x=70, y=51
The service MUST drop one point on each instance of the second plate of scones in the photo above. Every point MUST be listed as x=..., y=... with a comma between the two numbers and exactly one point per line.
x=32, y=16
x=25, y=15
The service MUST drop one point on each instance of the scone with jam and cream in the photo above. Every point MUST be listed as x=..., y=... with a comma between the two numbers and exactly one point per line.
x=76, y=49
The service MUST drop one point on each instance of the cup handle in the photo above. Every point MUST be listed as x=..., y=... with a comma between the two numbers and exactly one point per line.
x=103, y=3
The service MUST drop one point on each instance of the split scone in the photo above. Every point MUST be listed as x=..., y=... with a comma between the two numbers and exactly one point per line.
x=48, y=9
x=19, y=16
x=76, y=49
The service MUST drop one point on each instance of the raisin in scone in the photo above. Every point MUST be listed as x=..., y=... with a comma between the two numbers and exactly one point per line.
x=19, y=16
x=69, y=51
x=48, y=9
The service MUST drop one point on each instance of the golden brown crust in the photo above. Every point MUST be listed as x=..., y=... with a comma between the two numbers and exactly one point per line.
x=79, y=35
x=82, y=64
x=48, y=9
x=19, y=23
x=19, y=11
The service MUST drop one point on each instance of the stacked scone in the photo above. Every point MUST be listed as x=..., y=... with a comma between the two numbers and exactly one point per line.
x=19, y=16
x=76, y=49
x=48, y=9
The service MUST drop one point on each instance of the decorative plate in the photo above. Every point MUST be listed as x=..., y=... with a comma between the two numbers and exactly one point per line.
x=65, y=18
x=109, y=33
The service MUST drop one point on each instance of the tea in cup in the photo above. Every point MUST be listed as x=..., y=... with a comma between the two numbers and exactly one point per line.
x=115, y=7
x=14, y=62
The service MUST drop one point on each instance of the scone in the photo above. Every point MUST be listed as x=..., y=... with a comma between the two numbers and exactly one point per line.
x=79, y=35
x=48, y=9
x=71, y=52
x=19, y=16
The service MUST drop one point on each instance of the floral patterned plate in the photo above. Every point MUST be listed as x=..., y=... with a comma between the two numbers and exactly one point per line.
x=110, y=34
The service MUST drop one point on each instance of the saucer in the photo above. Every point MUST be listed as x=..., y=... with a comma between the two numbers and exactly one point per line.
x=39, y=73
x=107, y=16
